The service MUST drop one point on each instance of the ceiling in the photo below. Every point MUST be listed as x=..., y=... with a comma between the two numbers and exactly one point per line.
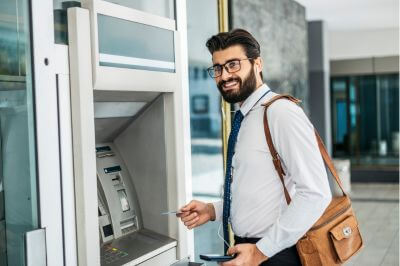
x=348, y=15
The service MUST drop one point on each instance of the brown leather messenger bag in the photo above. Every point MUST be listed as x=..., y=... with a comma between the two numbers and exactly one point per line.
x=335, y=237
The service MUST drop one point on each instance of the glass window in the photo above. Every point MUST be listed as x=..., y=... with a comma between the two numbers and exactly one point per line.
x=205, y=119
x=18, y=183
x=365, y=132
x=200, y=104
x=162, y=8
x=366, y=119
x=388, y=131
x=135, y=45
x=339, y=116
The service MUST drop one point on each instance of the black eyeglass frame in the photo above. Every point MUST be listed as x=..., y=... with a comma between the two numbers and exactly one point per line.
x=210, y=70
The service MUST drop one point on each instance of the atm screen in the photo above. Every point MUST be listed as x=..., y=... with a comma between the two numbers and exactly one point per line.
x=103, y=149
x=113, y=169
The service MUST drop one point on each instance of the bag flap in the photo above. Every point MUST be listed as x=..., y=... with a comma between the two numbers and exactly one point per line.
x=345, y=229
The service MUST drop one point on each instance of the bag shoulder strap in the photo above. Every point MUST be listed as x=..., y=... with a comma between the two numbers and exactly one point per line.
x=275, y=156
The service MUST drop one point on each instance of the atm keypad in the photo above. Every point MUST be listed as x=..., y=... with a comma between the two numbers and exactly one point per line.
x=111, y=254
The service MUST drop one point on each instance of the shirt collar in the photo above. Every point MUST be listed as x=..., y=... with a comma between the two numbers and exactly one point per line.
x=252, y=100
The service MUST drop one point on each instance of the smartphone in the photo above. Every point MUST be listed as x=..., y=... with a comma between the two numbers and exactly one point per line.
x=216, y=257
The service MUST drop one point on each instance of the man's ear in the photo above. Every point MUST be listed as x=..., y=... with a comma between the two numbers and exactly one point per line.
x=259, y=64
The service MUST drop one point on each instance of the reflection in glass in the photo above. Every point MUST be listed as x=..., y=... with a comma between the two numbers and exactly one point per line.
x=18, y=195
x=365, y=134
x=205, y=120
x=388, y=102
x=135, y=45
x=200, y=105
x=163, y=8
x=366, y=118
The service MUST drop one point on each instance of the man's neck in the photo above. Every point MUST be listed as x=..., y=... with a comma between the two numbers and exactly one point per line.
x=258, y=86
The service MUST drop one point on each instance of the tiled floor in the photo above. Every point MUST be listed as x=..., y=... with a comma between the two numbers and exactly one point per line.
x=377, y=210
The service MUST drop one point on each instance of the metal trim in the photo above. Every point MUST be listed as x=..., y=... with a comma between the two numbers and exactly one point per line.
x=35, y=248
x=133, y=61
x=225, y=106
x=47, y=134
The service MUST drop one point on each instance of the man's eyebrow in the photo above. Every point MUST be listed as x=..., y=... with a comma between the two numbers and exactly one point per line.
x=230, y=60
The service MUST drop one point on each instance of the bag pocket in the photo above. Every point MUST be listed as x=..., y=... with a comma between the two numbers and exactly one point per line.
x=346, y=238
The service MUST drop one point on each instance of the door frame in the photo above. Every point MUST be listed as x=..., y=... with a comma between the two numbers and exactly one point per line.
x=47, y=128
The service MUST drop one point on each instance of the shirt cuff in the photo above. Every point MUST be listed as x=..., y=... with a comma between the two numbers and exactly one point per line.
x=267, y=247
x=218, y=206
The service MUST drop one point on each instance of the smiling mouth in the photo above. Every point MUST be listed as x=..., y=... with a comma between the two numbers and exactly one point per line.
x=230, y=85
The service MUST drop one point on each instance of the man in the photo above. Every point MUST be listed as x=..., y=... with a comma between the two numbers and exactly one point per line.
x=266, y=228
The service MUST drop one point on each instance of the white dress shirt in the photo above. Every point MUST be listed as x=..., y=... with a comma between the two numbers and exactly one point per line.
x=258, y=207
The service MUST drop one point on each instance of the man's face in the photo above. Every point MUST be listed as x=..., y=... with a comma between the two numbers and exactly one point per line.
x=235, y=87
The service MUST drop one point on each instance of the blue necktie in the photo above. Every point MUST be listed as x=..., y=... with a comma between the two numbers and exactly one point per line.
x=228, y=176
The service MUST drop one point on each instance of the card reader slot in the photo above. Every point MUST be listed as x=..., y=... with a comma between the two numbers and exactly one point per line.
x=116, y=180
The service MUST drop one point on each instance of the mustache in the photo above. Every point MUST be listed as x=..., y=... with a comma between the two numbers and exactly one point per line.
x=222, y=82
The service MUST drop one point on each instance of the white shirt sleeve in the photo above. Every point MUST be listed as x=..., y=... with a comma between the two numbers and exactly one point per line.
x=294, y=139
x=218, y=206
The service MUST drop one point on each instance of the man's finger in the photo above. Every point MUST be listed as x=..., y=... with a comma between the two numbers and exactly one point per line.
x=188, y=207
x=191, y=222
x=189, y=217
x=233, y=250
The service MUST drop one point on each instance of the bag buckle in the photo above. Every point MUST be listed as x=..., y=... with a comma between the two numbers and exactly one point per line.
x=347, y=231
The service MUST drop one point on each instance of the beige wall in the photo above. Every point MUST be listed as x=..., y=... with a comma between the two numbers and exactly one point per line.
x=363, y=43
x=372, y=65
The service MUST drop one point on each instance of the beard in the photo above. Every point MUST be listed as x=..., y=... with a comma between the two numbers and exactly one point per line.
x=246, y=88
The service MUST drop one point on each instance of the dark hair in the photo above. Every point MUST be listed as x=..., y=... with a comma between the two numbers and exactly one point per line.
x=241, y=37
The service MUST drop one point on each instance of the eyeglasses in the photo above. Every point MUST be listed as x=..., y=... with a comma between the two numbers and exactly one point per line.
x=231, y=66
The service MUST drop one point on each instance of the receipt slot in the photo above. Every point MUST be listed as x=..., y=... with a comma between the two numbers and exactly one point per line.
x=131, y=143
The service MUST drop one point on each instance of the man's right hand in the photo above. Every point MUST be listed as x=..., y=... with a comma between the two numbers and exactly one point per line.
x=196, y=213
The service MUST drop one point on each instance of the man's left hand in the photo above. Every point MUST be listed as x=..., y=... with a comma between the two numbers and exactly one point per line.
x=246, y=255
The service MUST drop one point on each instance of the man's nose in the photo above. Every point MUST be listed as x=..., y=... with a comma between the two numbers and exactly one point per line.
x=225, y=75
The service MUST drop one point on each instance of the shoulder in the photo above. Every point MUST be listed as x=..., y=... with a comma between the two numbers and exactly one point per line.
x=284, y=109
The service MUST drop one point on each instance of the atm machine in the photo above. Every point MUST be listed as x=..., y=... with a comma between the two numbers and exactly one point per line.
x=130, y=128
